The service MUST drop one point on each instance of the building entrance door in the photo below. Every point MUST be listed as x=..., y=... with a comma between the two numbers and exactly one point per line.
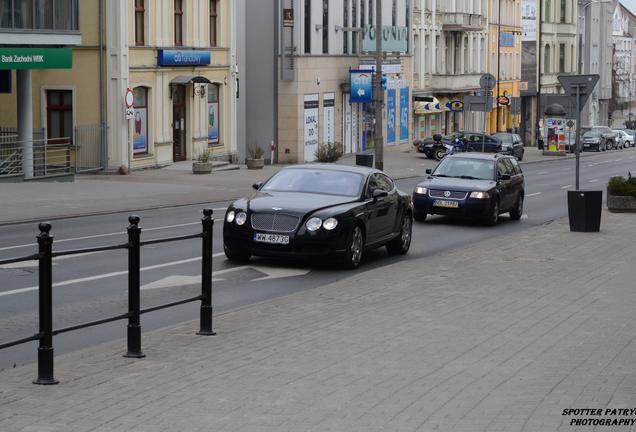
x=178, y=123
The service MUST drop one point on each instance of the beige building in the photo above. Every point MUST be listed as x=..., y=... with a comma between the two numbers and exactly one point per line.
x=175, y=56
x=319, y=48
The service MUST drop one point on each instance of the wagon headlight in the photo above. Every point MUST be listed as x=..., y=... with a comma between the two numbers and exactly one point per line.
x=421, y=190
x=241, y=217
x=479, y=195
x=229, y=217
x=330, y=224
x=313, y=224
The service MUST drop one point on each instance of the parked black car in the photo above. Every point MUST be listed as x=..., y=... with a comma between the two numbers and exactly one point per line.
x=472, y=185
x=511, y=144
x=470, y=141
x=598, y=138
x=320, y=211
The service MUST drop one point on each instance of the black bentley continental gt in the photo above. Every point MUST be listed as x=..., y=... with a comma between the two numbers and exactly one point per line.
x=320, y=211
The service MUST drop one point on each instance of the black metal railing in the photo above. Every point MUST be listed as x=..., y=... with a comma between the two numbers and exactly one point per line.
x=45, y=257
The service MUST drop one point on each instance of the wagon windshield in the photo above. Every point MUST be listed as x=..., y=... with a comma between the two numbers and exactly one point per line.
x=325, y=182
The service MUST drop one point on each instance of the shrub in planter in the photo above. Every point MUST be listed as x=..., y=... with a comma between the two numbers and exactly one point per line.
x=255, y=161
x=202, y=165
x=328, y=152
x=621, y=193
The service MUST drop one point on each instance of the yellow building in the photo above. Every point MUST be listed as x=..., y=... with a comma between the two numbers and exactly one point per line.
x=174, y=56
x=504, y=62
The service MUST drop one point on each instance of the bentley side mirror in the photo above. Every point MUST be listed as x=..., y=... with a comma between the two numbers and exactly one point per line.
x=257, y=186
x=504, y=177
x=379, y=193
x=429, y=171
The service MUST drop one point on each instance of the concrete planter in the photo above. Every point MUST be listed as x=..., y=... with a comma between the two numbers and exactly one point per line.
x=619, y=204
x=255, y=163
x=201, y=167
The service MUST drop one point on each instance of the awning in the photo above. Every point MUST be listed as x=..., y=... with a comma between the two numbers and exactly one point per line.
x=190, y=79
x=420, y=108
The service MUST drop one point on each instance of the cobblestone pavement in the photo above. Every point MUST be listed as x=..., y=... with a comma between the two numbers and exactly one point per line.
x=501, y=335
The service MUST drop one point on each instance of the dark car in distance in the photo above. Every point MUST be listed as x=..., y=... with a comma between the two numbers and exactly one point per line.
x=322, y=212
x=511, y=144
x=472, y=185
x=470, y=141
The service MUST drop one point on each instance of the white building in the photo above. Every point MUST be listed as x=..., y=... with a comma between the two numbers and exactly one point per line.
x=623, y=65
x=450, y=55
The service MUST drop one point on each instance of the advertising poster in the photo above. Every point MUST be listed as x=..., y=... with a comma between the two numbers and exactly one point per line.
x=529, y=20
x=140, y=140
x=404, y=114
x=213, y=122
x=328, y=107
x=311, y=126
x=390, y=117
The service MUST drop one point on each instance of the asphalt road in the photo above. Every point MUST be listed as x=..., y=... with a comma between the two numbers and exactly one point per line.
x=93, y=286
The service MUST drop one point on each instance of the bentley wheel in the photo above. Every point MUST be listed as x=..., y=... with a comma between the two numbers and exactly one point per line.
x=401, y=244
x=353, y=256
x=236, y=256
x=517, y=212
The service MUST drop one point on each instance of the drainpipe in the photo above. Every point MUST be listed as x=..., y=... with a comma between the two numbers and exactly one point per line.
x=102, y=104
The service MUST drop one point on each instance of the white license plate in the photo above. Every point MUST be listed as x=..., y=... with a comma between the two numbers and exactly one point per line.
x=586, y=145
x=271, y=238
x=446, y=204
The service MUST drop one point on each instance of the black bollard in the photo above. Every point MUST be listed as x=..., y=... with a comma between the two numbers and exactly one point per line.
x=45, y=297
x=134, y=302
x=205, y=327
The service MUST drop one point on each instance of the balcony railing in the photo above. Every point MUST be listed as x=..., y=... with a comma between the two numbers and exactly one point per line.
x=51, y=16
x=463, y=22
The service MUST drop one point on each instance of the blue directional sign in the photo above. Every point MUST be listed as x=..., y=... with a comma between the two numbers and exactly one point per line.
x=361, y=86
x=183, y=57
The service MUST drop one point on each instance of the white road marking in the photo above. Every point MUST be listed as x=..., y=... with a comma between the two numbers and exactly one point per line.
x=34, y=263
x=566, y=187
x=109, y=234
x=279, y=272
x=524, y=216
x=542, y=173
x=104, y=276
x=593, y=180
x=533, y=194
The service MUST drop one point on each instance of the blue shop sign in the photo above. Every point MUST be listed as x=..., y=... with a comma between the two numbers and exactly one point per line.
x=506, y=39
x=361, y=86
x=183, y=57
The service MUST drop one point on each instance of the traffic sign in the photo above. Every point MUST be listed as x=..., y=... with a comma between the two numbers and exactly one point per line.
x=130, y=113
x=503, y=100
x=570, y=124
x=579, y=85
x=130, y=98
x=360, y=86
x=487, y=81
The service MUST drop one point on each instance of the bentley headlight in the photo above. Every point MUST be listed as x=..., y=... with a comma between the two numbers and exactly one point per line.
x=313, y=224
x=421, y=190
x=479, y=195
x=330, y=224
x=241, y=217
x=229, y=217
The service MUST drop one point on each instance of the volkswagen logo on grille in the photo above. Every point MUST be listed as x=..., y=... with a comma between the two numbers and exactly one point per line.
x=277, y=208
x=447, y=194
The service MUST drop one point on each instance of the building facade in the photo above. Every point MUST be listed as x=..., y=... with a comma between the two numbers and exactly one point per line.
x=504, y=61
x=175, y=57
x=623, y=85
x=450, y=56
x=596, y=28
x=320, y=42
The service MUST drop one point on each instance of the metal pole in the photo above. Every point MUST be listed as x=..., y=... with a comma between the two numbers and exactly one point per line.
x=483, y=137
x=205, y=326
x=577, y=144
x=134, y=303
x=538, y=49
x=378, y=91
x=45, y=297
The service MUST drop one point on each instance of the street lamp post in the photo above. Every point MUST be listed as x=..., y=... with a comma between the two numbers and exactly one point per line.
x=378, y=92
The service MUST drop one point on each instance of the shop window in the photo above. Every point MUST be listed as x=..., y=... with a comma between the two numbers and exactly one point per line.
x=59, y=116
x=140, y=129
x=178, y=22
x=214, y=17
x=214, y=115
x=140, y=13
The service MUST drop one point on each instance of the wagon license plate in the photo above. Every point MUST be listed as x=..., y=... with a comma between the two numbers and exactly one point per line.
x=271, y=238
x=446, y=204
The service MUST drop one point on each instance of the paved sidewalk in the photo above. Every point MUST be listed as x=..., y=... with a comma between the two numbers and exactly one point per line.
x=502, y=335
x=169, y=186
